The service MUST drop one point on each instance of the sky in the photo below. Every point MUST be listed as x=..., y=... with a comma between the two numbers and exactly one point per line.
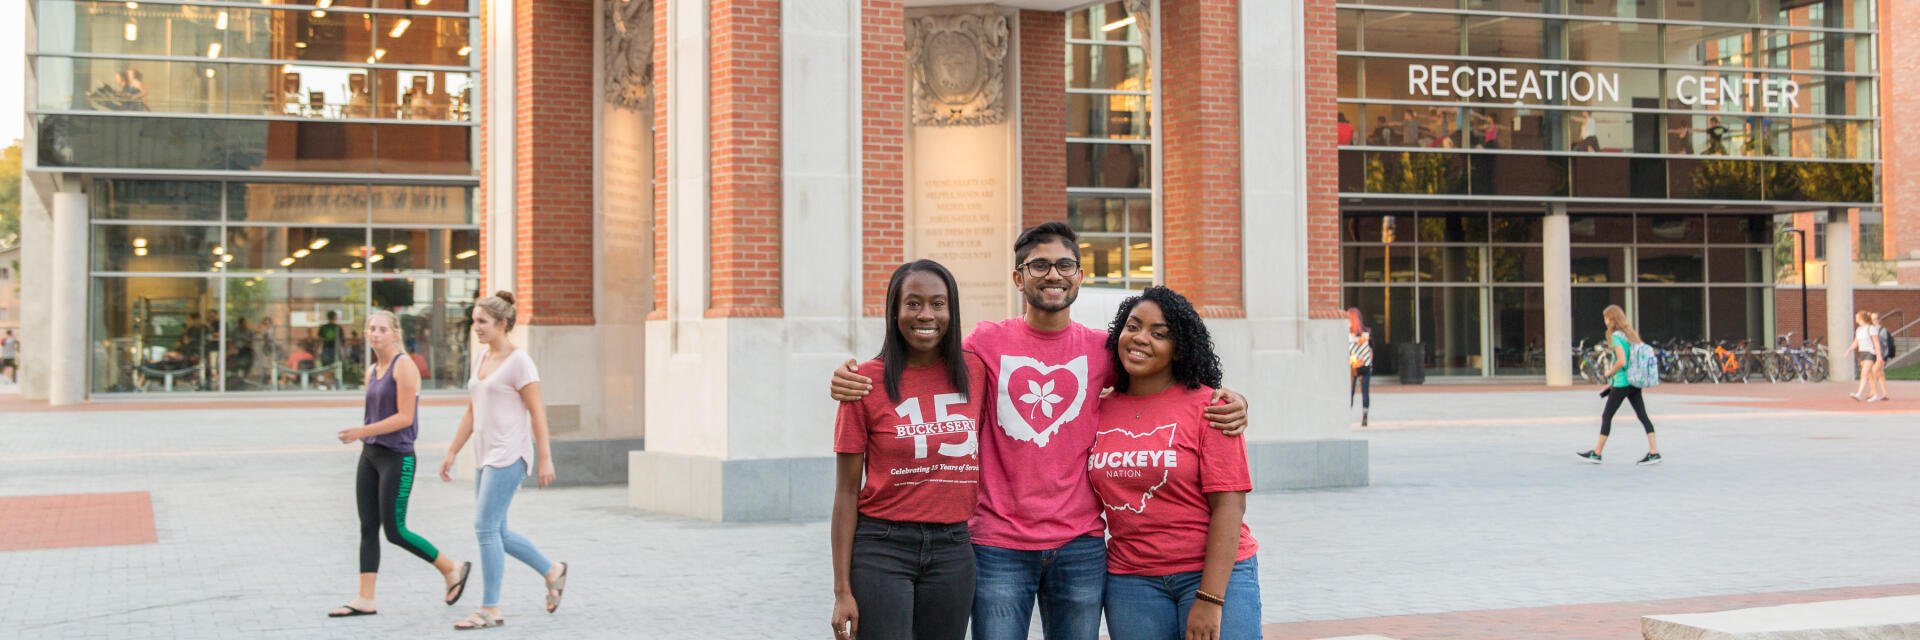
x=13, y=60
x=13, y=63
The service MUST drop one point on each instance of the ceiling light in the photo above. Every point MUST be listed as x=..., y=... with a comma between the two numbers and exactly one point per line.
x=356, y=265
x=133, y=32
x=464, y=51
x=140, y=251
x=133, y=5
x=286, y=262
x=209, y=72
x=376, y=258
x=213, y=50
x=220, y=22
x=324, y=3
x=400, y=27
x=1111, y=26
x=139, y=242
x=466, y=254
x=249, y=283
x=343, y=269
x=314, y=281
x=379, y=53
x=227, y=258
x=397, y=248
x=369, y=59
x=317, y=244
x=319, y=13
x=286, y=68
x=423, y=2
x=217, y=249
x=298, y=45
x=300, y=254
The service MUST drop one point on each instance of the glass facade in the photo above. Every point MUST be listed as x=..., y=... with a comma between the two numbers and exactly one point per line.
x=1110, y=144
x=262, y=177
x=1459, y=120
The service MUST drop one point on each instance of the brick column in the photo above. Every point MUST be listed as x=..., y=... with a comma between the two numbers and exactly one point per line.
x=1900, y=145
x=1323, y=161
x=553, y=193
x=1043, y=117
x=660, y=104
x=745, y=98
x=883, y=127
x=1200, y=112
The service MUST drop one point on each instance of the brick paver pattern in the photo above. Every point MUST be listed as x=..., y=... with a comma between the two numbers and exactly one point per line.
x=256, y=534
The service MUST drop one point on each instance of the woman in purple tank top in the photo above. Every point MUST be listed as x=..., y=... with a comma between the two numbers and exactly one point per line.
x=385, y=478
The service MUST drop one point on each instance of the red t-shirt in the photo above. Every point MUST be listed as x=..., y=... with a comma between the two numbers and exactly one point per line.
x=923, y=462
x=1033, y=488
x=1152, y=473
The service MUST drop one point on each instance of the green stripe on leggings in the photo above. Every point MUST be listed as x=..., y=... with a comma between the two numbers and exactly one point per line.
x=400, y=511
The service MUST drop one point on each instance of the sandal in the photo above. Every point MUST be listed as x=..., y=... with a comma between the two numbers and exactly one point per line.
x=457, y=589
x=479, y=620
x=351, y=611
x=555, y=588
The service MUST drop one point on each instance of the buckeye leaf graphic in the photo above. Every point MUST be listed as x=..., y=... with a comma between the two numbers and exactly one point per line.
x=1042, y=397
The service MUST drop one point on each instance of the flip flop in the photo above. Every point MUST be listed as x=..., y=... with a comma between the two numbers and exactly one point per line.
x=458, y=589
x=556, y=588
x=351, y=612
x=479, y=620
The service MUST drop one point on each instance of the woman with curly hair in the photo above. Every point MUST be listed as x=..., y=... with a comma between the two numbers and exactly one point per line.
x=1180, y=563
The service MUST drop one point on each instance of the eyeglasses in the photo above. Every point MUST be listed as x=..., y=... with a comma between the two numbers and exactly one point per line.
x=1039, y=268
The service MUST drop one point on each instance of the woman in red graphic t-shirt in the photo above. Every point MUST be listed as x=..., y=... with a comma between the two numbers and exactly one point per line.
x=1180, y=563
x=917, y=445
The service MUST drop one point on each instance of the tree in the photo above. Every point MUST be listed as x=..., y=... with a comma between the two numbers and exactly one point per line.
x=10, y=195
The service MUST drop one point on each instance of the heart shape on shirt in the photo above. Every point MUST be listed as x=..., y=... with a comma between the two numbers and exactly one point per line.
x=1033, y=393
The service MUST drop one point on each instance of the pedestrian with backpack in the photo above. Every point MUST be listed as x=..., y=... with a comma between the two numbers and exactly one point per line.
x=1871, y=353
x=1622, y=378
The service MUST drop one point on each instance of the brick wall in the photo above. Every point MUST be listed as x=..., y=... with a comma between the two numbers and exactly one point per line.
x=553, y=191
x=660, y=90
x=1900, y=145
x=1200, y=93
x=1882, y=300
x=482, y=115
x=883, y=131
x=1323, y=161
x=1043, y=117
x=745, y=110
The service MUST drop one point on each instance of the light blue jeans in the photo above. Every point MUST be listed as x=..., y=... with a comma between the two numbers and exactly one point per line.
x=492, y=494
x=1156, y=607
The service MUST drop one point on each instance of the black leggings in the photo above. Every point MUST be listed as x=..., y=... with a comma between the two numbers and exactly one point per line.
x=1362, y=379
x=1614, y=396
x=381, y=489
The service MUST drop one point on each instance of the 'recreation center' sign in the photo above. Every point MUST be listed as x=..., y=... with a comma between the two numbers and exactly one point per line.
x=1521, y=86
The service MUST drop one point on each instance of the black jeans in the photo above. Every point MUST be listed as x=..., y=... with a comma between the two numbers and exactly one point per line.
x=1614, y=396
x=912, y=579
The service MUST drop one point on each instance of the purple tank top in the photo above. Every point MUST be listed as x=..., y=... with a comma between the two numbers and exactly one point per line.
x=383, y=400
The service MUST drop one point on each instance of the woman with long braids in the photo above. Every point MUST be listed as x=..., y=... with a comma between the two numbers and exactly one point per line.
x=1180, y=561
x=902, y=556
x=509, y=422
x=387, y=465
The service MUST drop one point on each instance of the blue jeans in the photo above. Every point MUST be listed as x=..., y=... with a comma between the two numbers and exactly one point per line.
x=492, y=494
x=1155, y=607
x=1069, y=582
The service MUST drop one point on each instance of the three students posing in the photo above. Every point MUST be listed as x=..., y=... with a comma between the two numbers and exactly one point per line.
x=1035, y=530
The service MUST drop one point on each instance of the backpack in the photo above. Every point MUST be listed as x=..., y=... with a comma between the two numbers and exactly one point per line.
x=1643, y=366
x=1886, y=343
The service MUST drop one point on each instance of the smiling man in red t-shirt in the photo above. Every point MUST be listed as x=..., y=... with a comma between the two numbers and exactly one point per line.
x=1037, y=532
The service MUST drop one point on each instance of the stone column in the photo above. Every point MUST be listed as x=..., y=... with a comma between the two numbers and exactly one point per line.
x=1557, y=272
x=70, y=321
x=1839, y=294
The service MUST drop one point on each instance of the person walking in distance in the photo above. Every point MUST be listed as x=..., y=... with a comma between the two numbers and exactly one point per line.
x=1866, y=343
x=385, y=479
x=10, y=357
x=509, y=422
x=1359, y=363
x=902, y=557
x=1886, y=355
x=1623, y=337
x=1037, y=534
x=1181, y=563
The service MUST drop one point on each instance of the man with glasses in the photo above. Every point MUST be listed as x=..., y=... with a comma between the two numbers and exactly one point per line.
x=1037, y=531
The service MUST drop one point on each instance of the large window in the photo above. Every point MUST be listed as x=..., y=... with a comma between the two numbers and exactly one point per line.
x=1681, y=276
x=1464, y=287
x=1689, y=108
x=1110, y=146
x=209, y=286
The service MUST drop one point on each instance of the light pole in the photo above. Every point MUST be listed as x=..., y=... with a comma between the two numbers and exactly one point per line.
x=1802, y=234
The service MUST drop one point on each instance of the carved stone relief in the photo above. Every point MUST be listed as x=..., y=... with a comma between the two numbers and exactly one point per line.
x=629, y=53
x=958, y=65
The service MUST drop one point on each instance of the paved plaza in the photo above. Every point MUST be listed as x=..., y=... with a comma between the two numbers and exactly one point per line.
x=1477, y=504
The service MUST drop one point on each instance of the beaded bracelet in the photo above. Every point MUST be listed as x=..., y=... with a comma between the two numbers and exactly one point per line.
x=1203, y=595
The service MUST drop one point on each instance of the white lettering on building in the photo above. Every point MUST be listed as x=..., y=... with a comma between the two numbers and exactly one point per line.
x=1486, y=84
